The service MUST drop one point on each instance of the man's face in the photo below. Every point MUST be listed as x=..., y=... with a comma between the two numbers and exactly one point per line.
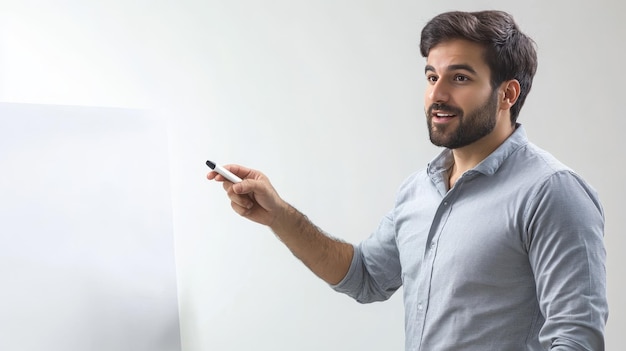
x=460, y=104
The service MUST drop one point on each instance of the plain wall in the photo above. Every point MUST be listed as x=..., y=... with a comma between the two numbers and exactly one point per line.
x=326, y=98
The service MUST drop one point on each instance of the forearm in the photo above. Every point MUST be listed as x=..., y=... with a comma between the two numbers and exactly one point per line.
x=256, y=199
x=327, y=257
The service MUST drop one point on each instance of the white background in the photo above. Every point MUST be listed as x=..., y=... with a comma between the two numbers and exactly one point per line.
x=326, y=98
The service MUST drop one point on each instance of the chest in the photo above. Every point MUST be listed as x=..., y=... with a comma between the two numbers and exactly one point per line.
x=470, y=234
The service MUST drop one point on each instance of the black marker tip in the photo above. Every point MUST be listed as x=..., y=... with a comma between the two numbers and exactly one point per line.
x=210, y=164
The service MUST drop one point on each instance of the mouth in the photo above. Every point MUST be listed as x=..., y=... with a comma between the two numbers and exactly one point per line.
x=442, y=117
x=440, y=113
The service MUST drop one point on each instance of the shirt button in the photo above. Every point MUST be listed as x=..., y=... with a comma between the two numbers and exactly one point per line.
x=433, y=244
x=420, y=306
x=445, y=203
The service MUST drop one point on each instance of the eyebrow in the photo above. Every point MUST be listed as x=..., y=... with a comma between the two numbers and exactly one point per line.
x=461, y=66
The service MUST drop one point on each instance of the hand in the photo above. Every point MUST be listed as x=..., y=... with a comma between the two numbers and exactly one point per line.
x=254, y=198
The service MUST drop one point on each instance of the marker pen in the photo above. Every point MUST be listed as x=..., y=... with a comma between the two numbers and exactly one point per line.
x=223, y=172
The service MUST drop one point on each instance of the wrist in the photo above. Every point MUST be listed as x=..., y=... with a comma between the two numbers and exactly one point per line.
x=282, y=215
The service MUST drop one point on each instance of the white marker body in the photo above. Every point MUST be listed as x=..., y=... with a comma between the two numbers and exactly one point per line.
x=227, y=174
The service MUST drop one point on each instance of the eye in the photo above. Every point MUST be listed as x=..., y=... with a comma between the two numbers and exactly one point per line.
x=431, y=78
x=461, y=78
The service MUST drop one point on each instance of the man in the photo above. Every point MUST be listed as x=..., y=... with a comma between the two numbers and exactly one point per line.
x=498, y=246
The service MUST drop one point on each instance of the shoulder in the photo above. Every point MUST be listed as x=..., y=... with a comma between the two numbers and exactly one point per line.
x=542, y=161
x=554, y=182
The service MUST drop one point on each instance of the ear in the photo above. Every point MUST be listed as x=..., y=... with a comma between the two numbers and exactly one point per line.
x=509, y=92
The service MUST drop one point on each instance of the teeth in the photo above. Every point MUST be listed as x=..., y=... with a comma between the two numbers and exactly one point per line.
x=444, y=115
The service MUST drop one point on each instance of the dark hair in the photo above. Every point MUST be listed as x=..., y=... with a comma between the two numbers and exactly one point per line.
x=510, y=54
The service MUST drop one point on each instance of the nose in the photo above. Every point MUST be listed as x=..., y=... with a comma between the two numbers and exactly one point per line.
x=438, y=92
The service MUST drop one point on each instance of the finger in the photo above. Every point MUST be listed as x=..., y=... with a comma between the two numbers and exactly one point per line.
x=248, y=186
x=227, y=185
x=256, y=213
x=212, y=175
x=242, y=200
x=242, y=211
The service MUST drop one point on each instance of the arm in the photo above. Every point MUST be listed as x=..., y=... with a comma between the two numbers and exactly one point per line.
x=566, y=252
x=256, y=199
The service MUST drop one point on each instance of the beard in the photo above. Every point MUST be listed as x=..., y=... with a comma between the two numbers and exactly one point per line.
x=471, y=127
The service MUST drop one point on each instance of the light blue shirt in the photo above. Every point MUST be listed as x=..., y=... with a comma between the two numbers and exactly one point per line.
x=511, y=258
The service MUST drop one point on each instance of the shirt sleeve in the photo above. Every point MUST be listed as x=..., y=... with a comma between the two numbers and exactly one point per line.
x=565, y=226
x=375, y=271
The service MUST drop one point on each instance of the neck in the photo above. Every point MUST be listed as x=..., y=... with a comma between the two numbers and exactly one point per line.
x=467, y=157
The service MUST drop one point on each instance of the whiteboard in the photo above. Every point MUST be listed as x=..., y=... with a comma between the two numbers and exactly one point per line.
x=86, y=239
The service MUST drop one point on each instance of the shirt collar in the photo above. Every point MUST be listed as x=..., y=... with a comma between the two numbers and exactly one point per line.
x=490, y=164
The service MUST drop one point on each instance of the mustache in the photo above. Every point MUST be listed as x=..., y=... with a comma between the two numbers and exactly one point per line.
x=444, y=108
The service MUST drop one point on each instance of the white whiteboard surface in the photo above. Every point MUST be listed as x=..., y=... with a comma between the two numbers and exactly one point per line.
x=86, y=239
